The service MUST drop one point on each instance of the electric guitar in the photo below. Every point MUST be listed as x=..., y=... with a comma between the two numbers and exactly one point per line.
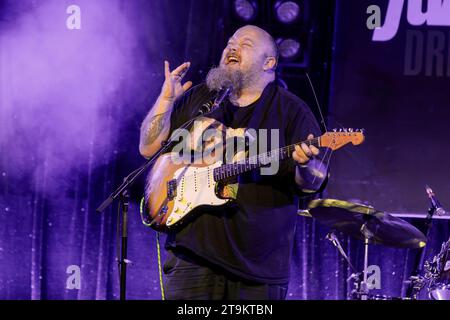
x=173, y=190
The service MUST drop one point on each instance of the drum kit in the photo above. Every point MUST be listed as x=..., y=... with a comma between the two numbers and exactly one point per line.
x=432, y=279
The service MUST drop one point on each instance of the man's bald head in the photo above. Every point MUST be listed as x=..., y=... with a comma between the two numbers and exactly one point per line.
x=259, y=34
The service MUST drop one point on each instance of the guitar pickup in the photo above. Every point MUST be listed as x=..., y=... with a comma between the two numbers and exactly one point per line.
x=171, y=189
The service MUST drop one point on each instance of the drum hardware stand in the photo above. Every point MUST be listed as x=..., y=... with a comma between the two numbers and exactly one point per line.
x=334, y=240
x=417, y=281
x=361, y=291
x=373, y=226
x=364, y=289
x=355, y=276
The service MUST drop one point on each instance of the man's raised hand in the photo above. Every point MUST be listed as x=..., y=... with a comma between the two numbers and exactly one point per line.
x=172, y=88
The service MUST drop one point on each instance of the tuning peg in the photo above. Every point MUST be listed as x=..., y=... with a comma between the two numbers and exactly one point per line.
x=334, y=130
x=350, y=130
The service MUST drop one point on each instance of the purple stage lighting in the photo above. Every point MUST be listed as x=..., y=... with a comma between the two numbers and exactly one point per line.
x=287, y=11
x=245, y=9
x=289, y=48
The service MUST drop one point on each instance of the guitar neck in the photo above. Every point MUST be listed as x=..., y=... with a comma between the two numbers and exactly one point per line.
x=233, y=169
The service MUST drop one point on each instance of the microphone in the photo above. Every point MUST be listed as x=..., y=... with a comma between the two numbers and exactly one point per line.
x=205, y=108
x=435, y=202
x=211, y=106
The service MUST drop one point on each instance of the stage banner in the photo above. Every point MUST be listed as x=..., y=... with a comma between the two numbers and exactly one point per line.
x=391, y=76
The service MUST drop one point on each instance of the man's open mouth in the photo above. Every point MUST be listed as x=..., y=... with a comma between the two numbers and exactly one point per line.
x=232, y=60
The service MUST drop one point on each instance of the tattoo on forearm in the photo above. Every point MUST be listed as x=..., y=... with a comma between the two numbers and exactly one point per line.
x=152, y=129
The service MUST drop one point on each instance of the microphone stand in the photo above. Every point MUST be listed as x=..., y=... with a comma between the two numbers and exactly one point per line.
x=123, y=194
x=125, y=201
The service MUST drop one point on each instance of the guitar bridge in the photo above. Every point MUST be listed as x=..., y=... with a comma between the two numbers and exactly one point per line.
x=171, y=189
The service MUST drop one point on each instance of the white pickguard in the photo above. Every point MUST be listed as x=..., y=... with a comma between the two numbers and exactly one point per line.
x=195, y=187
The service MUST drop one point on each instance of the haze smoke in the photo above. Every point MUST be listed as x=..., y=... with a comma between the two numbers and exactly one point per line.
x=59, y=87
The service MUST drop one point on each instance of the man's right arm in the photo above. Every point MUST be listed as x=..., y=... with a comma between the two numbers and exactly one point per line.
x=156, y=126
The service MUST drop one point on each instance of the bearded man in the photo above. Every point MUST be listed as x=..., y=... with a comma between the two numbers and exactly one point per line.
x=240, y=250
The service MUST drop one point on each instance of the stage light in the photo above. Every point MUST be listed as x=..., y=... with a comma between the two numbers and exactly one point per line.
x=287, y=11
x=245, y=9
x=289, y=48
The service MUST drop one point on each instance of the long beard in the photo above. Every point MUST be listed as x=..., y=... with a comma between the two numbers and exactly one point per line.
x=219, y=78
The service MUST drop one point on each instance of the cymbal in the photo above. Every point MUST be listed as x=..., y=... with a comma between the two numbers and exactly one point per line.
x=360, y=221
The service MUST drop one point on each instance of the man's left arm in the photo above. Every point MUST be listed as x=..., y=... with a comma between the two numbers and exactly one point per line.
x=310, y=172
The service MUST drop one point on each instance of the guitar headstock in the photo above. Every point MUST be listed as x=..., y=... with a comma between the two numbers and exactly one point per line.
x=339, y=138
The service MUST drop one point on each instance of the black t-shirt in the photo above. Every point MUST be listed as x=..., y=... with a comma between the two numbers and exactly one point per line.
x=251, y=237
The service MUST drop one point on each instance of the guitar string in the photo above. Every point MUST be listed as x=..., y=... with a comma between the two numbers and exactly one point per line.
x=329, y=151
x=191, y=177
x=246, y=161
x=287, y=149
x=254, y=159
